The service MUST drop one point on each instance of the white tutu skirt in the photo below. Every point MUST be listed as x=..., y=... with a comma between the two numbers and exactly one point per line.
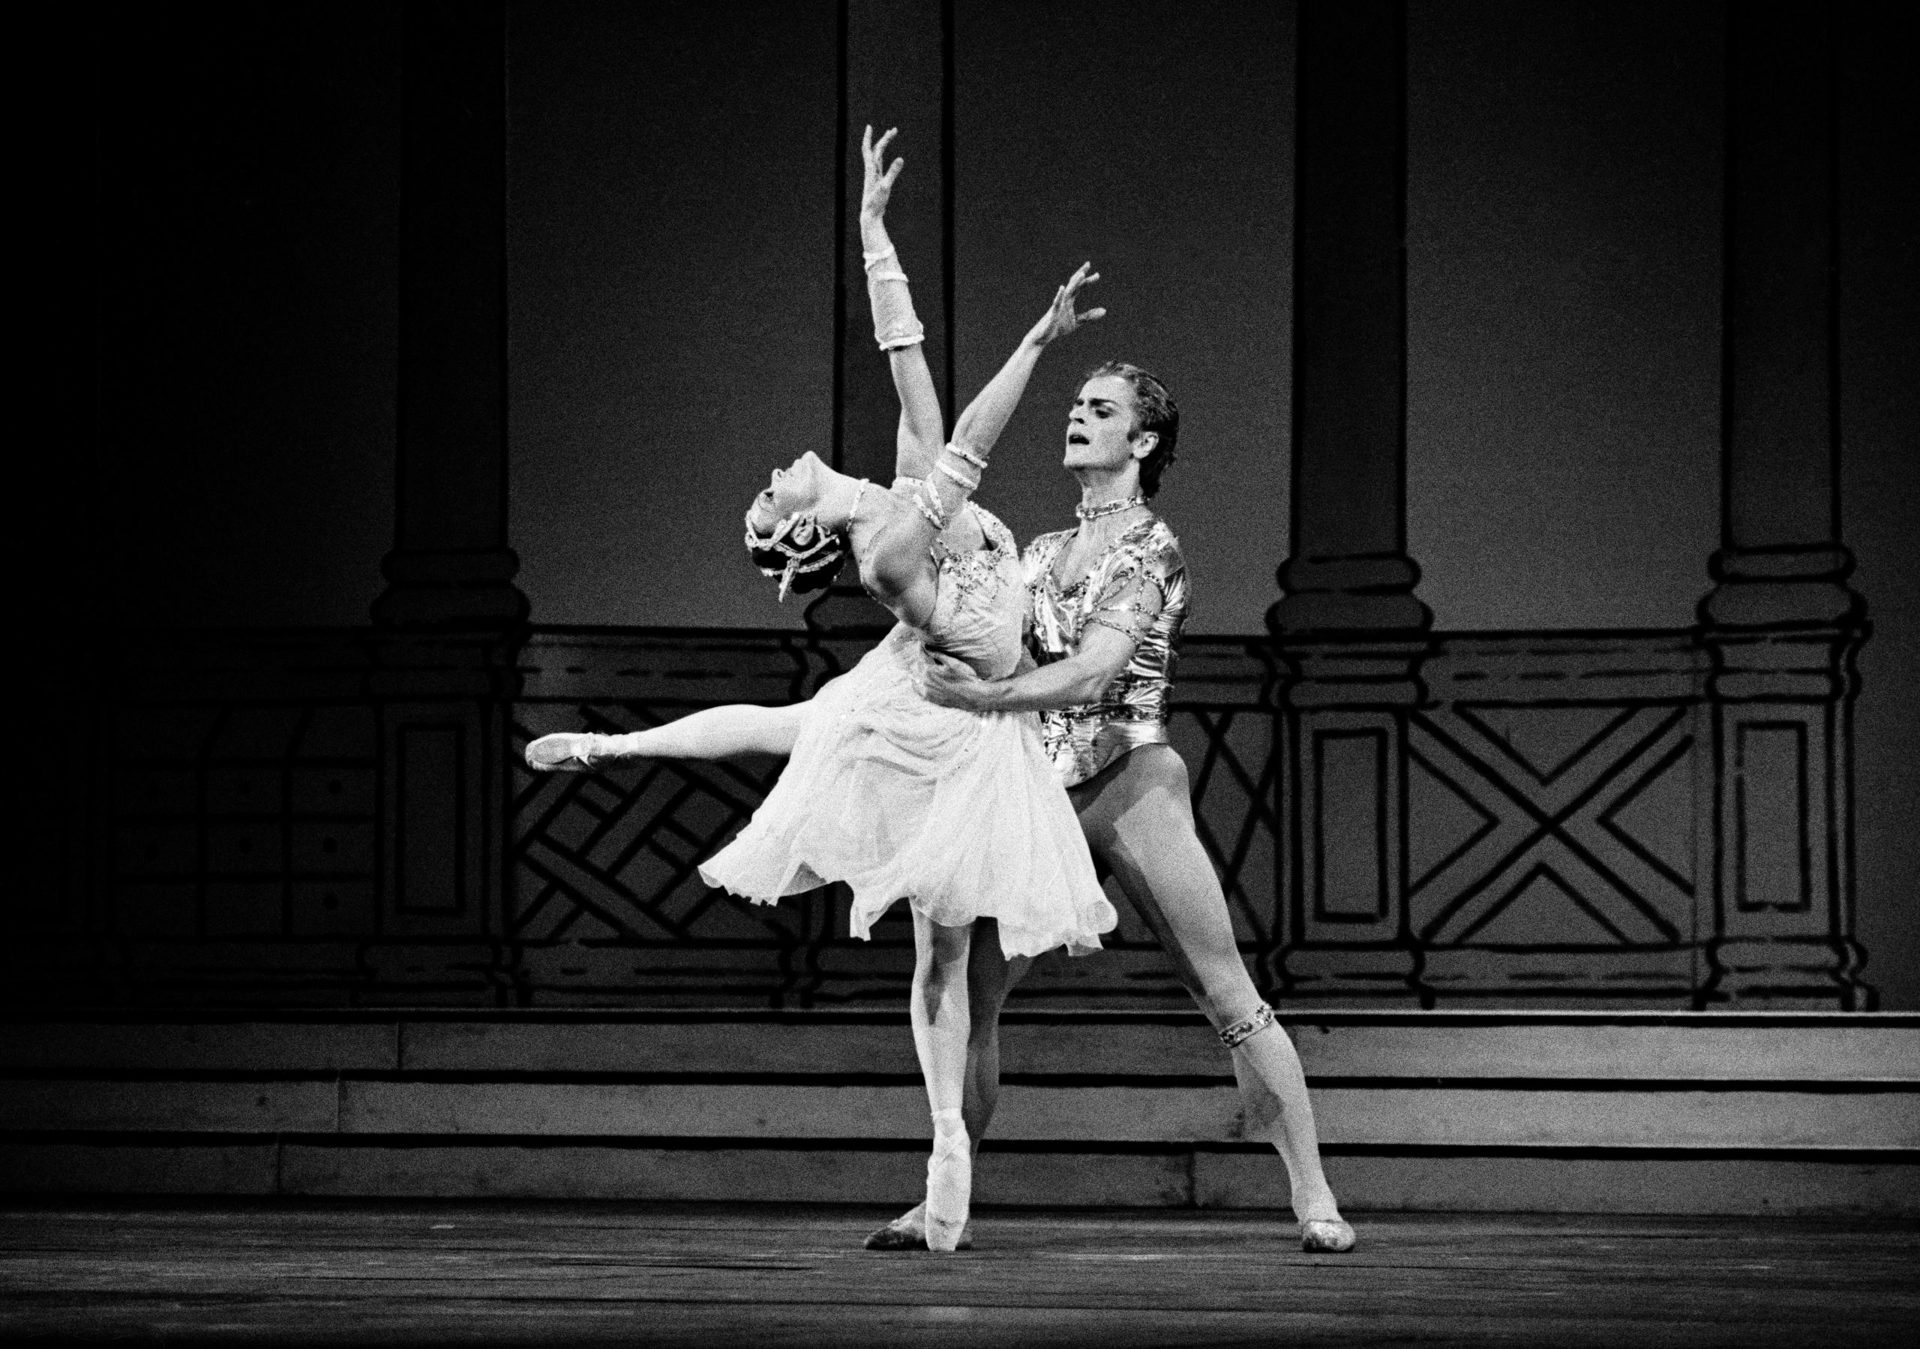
x=957, y=813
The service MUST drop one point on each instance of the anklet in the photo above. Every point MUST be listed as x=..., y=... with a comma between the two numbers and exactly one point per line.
x=1240, y=1030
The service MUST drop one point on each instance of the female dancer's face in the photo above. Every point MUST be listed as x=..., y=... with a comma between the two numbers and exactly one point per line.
x=1101, y=424
x=793, y=488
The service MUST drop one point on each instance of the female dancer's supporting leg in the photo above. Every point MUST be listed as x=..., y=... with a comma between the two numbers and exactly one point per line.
x=990, y=977
x=939, y=1009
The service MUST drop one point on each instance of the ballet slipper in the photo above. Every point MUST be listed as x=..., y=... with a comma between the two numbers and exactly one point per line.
x=1326, y=1236
x=949, y=1182
x=562, y=752
x=908, y=1232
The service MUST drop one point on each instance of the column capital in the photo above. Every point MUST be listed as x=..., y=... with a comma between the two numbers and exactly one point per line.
x=1348, y=596
x=1791, y=585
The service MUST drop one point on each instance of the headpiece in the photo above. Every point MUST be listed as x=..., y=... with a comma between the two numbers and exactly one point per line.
x=805, y=546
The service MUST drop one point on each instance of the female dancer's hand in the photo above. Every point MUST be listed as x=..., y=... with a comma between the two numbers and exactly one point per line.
x=878, y=184
x=1060, y=318
x=952, y=683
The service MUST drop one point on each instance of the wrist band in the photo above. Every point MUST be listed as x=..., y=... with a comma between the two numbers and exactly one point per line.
x=971, y=484
x=905, y=332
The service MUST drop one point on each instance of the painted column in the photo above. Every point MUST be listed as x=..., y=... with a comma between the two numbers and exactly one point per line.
x=1781, y=624
x=1349, y=627
x=896, y=69
x=450, y=621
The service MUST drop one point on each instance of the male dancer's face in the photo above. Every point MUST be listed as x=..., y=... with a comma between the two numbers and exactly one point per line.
x=1102, y=428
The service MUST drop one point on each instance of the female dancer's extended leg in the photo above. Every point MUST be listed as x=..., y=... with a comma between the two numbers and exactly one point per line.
x=939, y=1009
x=711, y=733
x=1138, y=817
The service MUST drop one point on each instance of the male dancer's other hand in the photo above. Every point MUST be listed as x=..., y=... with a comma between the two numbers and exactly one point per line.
x=877, y=188
x=947, y=682
x=1060, y=318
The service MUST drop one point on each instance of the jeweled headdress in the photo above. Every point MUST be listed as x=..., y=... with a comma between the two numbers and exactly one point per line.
x=796, y=550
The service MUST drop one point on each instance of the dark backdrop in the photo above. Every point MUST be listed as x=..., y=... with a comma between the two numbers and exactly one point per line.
x=218, y=252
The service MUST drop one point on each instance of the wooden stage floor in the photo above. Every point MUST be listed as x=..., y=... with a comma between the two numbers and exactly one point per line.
x=539, y=1273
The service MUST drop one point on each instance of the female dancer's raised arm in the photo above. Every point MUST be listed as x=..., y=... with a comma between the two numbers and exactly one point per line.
x=986, y=416
x=896, y=327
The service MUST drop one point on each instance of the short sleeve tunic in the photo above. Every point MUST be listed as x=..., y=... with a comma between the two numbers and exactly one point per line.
x=1138, y=587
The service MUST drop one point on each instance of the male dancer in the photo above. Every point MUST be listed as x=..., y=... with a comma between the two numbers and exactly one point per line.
x=1108, y=600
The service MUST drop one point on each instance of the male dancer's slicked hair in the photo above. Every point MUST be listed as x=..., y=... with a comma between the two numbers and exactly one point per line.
x=1158, y=413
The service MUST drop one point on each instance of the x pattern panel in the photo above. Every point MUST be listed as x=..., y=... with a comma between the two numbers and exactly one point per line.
x=1547, y=827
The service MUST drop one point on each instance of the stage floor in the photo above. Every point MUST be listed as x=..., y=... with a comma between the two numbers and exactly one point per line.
x=538, y=1273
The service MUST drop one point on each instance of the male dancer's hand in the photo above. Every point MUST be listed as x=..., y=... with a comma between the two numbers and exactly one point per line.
x=947, y=682
x=1060, y=318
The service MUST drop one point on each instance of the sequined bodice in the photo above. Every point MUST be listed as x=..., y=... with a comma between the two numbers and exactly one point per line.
x=979, y=607
x=1139, y=587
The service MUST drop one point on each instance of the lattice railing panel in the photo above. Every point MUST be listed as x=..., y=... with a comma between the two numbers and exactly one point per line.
x=1552, y=816
x=608, y=905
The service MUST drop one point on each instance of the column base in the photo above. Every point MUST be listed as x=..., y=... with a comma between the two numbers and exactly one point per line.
x=428, y=973
x=1357, y=971
x=1812, y=972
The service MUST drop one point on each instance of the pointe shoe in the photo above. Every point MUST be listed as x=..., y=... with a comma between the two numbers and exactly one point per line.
x=562, y=752
x=949, y=1188
x=1326, y=1236
x=908, y=1232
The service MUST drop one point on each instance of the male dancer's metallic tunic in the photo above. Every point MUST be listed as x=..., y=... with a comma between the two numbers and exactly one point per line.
x=1138, y=587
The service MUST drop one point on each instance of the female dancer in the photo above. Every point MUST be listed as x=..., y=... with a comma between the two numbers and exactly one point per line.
x=960, y=814
x=1108, y=601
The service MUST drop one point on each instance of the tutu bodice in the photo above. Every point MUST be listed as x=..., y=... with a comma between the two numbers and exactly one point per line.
x=979, y=607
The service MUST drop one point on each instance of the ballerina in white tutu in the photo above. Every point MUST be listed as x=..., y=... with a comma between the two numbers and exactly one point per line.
x=960, y=814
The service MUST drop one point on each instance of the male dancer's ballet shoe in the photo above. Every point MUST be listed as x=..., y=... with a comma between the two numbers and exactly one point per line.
x=562, y=752
x=908, y=1232
x=949, y=1182
x=1326, y=1236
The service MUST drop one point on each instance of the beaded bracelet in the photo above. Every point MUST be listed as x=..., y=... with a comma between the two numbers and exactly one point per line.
x=971, y=484
x=929, y=503
x=1261, y=1018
